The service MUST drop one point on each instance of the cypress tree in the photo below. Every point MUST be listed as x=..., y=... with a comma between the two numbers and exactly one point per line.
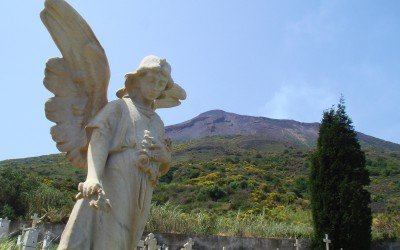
x=339, y=202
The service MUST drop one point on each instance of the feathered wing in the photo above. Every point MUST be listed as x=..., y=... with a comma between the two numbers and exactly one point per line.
x=79, y=80
x=171, y=97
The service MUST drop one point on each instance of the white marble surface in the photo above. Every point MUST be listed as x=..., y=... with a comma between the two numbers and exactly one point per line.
x=122, y=143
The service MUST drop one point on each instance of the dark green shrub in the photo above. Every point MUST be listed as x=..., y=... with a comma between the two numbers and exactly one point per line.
x=234, y=185
x=214, y=192
x=339, y=202
x=7, y=211
x=244, y=184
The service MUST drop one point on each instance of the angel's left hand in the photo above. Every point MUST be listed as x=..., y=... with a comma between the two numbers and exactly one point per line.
x=159, y=153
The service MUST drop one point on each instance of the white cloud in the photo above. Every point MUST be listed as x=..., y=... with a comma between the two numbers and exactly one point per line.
x=300, y=102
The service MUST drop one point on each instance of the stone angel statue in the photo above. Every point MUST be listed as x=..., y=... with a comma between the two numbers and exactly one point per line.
x=122, y=143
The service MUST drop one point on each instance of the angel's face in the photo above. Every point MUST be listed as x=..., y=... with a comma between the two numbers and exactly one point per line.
x=152, y=85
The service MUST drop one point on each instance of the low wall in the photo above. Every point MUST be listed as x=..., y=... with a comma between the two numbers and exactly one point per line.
x=176, y=241
x=55, y=229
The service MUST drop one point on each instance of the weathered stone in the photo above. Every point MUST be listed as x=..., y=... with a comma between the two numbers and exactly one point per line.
x=4, y=227
x=122, y=143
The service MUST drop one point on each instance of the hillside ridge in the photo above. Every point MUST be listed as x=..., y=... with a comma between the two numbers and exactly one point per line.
x=221, y=123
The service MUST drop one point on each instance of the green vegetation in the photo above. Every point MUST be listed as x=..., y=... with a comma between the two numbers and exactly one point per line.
x=218, y=176
x=44, y=185
x=276, y=222
x=339, y=202
x=279, y=222
x=9, y=244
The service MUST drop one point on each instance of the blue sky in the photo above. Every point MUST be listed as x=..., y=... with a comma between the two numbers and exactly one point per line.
x=279, y=59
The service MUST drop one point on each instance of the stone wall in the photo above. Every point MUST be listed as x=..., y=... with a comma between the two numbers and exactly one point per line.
x=176, y=241
x=55, y=229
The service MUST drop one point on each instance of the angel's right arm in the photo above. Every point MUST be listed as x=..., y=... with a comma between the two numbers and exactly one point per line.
x=97, y=157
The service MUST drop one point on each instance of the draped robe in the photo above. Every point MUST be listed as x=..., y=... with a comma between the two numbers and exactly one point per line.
x=121, y=124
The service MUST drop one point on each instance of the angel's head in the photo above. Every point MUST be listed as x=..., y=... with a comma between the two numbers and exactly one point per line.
x=150, y=80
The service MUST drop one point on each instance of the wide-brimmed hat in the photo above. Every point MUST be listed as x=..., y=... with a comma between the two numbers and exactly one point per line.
x=148, y=63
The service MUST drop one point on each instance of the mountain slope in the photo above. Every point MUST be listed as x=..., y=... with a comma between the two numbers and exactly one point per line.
x=225, y=162
x=221, y=123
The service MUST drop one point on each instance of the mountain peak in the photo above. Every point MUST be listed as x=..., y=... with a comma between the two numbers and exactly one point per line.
x=221, y=123
x=213, y=112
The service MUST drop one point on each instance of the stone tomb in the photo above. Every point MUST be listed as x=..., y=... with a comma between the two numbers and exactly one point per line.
x=29, y=239
x=47, y=241
x=151, y=242
x=4, y=227
x=188, y=245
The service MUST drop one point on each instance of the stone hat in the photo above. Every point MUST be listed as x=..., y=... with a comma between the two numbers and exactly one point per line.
x=148, y=63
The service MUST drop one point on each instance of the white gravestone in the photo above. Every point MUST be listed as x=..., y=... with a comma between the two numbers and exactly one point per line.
x=20, y=237
x=140, y=245
x=150, y=242
x=47, y=241
x=30, y=235
x=35, y=220
x=4, y=227
x=188, y=245
x=19, y=241
x=327, y=241
x=297, y=244
x=29, y=241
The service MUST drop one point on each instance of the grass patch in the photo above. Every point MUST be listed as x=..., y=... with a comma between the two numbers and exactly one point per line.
x=278, y=222
x=11, y=244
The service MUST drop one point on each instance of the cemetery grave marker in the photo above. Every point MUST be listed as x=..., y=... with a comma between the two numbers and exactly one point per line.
x=150, y=242
x=29, y=241
x=297, y=244
x=35, y=220
x=327, y=241
x=29, y=236
x=46, y=241
x=21, y=236
x=140, y=245
x=4, y=227
x=188, y=245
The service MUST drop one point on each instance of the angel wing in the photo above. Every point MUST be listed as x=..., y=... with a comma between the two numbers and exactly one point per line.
x=79, y=80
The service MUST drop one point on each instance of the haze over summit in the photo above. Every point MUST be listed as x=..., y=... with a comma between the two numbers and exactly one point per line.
x=271, y=59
